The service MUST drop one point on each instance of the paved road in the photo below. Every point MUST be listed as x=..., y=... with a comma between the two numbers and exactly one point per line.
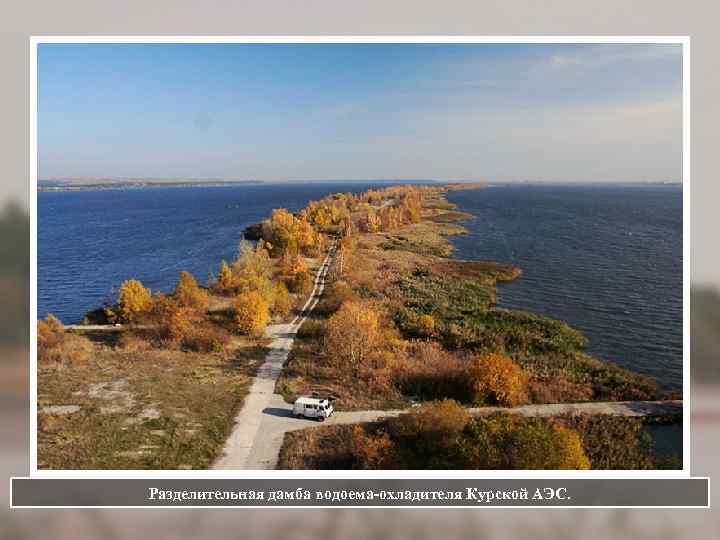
x=252, y=444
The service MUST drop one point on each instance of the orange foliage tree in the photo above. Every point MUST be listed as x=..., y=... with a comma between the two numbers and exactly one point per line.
x=189, y=294
x=353, y=333
x=495, y=378
x=252, y=313
x=133, y=298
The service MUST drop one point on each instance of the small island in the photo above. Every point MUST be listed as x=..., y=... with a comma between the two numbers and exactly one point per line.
x=425, y=371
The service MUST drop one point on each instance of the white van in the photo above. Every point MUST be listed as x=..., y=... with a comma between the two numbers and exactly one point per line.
x=313, y=408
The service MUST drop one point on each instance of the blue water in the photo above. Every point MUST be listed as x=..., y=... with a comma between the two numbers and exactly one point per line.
x=90, y=241
x=606, y=259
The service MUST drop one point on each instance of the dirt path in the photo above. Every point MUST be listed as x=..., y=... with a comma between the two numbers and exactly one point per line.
x=249, y=442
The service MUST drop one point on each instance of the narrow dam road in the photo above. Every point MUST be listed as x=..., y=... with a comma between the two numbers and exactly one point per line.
x=250, y=445
x=261, y=424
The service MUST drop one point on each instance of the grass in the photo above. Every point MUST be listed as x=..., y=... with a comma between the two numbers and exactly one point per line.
x=150, y=409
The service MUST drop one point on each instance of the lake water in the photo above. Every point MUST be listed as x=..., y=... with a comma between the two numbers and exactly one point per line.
x=608, y=259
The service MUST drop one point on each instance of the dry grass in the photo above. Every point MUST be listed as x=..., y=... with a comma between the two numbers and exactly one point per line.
x=143, y=408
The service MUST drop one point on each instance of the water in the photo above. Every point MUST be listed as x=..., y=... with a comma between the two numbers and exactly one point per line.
x=90, y=241
x=606, y=259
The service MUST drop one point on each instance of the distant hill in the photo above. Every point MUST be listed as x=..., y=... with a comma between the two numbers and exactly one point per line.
x=55, y=184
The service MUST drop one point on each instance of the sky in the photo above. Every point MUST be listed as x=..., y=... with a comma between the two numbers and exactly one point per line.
x=513, y=112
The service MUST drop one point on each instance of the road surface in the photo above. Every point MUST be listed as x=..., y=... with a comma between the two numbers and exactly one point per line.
x=246, y=445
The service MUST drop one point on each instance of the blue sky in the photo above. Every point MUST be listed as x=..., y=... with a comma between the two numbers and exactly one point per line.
x=278, y=112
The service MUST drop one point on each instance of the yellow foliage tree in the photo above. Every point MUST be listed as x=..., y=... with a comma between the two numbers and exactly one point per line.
x=225, y=277
x=571, y=454
x=252, y=313
x=292, y=263
x=189, y=294
x=426, y=325
x=133, y=298
x=497, y=379
x=353, y=332
x=281, y=303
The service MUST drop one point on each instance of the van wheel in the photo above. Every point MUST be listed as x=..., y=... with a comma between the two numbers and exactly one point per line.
x=321, y=418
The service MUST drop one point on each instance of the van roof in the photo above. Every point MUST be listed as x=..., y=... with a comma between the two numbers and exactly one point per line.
x=310, y=400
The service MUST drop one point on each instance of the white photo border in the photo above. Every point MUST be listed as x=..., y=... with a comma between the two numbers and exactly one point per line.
x=684, y=41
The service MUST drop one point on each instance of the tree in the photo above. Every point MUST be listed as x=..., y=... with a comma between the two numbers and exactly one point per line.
x=189, y=294
x=353, y=332
x=133, y=298
x=225, y=277
x=281, y=301
x=252, y=313
x=292, y=263
x=494, y=378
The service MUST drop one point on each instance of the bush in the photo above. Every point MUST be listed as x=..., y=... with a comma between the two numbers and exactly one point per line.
x=206, y=338
x=224, y=281
x=337, y=294
x=312, y=328
x=300, y=283
x=430, y=372
x=133, y=298
x=189, y=294
x=131, y=341
x=505, y=441
x=252, y=313
x=426, y=436
x=282, y=302
x=426, y=326
x=613, y=442
x=352, y=334
x=496, y=379
x=371, y=451
x=56, y=347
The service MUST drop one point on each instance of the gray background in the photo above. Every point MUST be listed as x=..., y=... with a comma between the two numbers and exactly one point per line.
x=372, y=17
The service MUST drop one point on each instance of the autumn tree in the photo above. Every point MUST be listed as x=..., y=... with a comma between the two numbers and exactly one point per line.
x=189, y=294
x=133, y=298
x=252, y=313
x=281, y=302
x=495, y=378
x=225, y=277
x=353, y=332
x=291, y=263
x=286, y=231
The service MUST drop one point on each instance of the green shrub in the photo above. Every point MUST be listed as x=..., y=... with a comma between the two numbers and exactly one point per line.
x=504, y=441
